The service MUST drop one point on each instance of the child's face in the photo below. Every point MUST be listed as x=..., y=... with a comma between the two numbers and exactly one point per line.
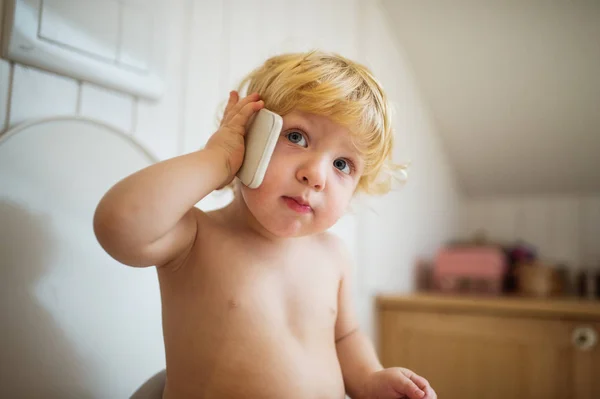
x=310, y=180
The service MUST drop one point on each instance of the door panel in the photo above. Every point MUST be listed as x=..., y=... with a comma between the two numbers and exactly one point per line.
x=477, y=356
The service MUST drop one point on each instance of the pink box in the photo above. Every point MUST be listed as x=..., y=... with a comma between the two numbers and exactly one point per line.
x=470, y=270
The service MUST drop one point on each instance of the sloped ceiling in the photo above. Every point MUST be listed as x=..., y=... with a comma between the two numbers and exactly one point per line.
x=513, y=87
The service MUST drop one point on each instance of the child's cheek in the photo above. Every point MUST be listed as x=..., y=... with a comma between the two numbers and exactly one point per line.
x=337, y=204
x=276, y=168
x=280, y=164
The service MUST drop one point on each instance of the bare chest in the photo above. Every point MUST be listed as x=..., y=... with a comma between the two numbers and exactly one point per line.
x=259, y=319
x=232, y=284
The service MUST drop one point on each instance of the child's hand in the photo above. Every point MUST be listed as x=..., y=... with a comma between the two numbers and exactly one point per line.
x=397, y=383
x=229, y=139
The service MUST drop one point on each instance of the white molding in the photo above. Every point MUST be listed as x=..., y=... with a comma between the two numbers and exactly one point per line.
x=22, y=43
x=33, y=122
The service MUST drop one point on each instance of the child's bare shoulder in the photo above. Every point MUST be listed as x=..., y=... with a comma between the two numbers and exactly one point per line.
x=210, y=226
x=210, y=223
x=335, y=246
x=330, y=240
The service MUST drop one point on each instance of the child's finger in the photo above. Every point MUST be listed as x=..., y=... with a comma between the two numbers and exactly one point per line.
x=405, y=386
x=424, y=385
x=420, y=381
x=241, y=118
x=234, y=97
x=241, y=104
x=430, y=393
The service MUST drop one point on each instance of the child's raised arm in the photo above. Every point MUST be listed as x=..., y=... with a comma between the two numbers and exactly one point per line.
x=148, y=218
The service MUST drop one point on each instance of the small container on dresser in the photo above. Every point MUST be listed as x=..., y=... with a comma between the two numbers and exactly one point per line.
x=539, y=280
x=472, y=270
x=588, y=284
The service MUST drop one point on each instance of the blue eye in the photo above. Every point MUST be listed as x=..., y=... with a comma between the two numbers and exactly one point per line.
x=342, y=165
x=297, y=138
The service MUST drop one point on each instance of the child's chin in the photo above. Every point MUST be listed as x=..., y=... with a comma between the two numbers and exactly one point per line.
x=287, y=229
x=293, y=229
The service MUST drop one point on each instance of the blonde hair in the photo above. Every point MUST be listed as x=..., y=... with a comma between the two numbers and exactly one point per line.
x=330, y=85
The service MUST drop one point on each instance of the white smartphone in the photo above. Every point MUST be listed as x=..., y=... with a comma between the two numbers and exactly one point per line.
x=260, y=142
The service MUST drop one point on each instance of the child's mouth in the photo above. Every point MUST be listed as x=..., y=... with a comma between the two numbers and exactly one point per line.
x=297, y=204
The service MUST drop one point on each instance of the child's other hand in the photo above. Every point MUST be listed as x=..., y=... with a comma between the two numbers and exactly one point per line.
x=397, y=383
x=228, y=140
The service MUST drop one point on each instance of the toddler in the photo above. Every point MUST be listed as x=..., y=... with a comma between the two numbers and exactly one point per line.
x=256, y=299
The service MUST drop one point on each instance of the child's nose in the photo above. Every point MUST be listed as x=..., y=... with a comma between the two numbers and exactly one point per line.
x=314, y=173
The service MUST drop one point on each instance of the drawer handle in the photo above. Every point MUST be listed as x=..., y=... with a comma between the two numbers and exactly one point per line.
x=584, y=338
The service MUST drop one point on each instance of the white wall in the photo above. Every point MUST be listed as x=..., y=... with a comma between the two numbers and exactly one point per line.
x=414, y=220
x=563, y=228
x=27, y=93
x=51, y=319
x=211, y=45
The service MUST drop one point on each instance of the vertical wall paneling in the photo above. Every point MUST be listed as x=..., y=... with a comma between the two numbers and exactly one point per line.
x=472, y=220
x=79, y=96
x=273, y=29
x=589, y=220
x=299, y=35
x=224, y=54
x=533, y=223
x=37, y=94
x=563, y=229
x=134, y=115
x=109, y=106
x=502, y=220
x=159, y=122
x=311, y=25
x=244, y=45
x=204, y=92
x=5, y=83
x=185, y=74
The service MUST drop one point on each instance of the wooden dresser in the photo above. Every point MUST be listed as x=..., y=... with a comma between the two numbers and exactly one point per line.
x=486, y=348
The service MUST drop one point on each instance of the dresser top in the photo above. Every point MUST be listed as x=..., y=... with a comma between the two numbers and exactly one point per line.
x=510, y=306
